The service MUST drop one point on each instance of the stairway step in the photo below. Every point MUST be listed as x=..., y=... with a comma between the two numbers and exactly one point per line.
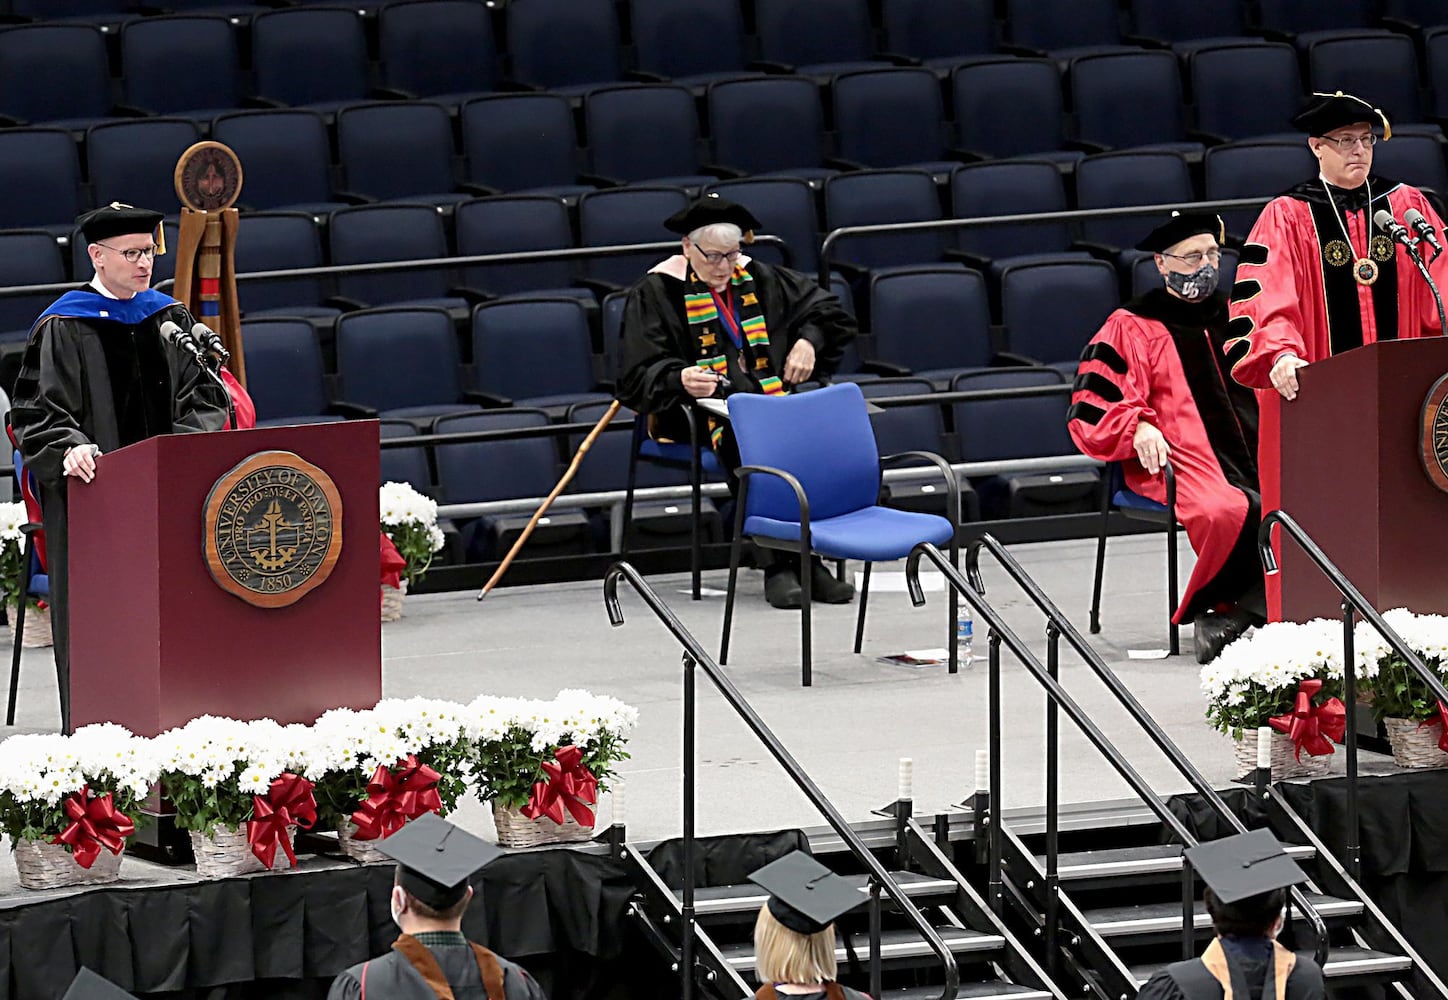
x=748, y=898
x=894, y=944
x=1157, y=918
x=994, y=989
x=1148, y=859
x=1342, y=963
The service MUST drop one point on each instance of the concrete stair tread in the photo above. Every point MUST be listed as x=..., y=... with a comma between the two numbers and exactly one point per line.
x=1151, y=918
x=748, y=897
x=1146, y=859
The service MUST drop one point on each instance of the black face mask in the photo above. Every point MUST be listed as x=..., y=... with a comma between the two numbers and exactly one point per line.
x=1195, y=285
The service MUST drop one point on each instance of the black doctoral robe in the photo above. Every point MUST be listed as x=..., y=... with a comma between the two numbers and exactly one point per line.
x=98, y=371
x=394, y=977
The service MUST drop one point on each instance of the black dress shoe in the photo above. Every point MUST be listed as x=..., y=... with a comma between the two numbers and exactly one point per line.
x=781, y=588
x=1211, y=632
x=825, y=588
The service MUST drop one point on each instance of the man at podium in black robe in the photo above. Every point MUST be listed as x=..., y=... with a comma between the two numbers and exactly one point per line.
x=98, y=375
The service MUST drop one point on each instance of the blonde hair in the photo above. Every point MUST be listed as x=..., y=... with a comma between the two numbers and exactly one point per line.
x=785, y=956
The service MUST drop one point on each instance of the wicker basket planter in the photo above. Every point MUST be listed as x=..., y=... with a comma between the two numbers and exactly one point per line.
x=43, y=865
x=364, y=851
x=1285, y=763
x=392, y=601
x=37, y=627
x=1415, y=747
x=517, y=830
x=226, y=853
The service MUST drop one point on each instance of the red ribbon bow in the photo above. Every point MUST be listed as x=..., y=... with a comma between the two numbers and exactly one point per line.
x=95, y=823
x=567, y=784
x=289, y=801
x=395, y=795
x=1439, y=719
x=1313, y=729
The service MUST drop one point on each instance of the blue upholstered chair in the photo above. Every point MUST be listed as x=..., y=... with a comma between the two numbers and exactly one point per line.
x=37, y=587
x=1115, y=496
x=818, y=481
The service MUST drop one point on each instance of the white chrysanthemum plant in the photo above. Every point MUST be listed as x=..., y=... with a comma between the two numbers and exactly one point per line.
x=1260, y=676
x=1395, y=689
x=81, y=791
x=526, y=752
x=410, y=520
x=12, y=551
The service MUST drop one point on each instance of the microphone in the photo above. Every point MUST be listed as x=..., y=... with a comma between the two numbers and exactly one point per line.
x=211, y=341
x=1395, y=229
x=182, y=339
x=1423, y=227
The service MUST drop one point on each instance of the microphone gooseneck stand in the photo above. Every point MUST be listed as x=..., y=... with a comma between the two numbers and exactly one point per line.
x=1417, y=259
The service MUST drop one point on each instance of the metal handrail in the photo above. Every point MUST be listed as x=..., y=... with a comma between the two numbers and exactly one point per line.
x=695, y=656
x=1001, y=632
x=1059, y=626
x=1352, y=601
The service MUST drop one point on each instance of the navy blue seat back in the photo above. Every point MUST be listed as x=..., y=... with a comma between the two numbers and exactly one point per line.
x=1246, y=90
x=889, y=117
x=285, y=376
x=611, y=320
x=54, y=72
x=27, y=257
x=396, y=149
x=285, y=156
x=931, y=318
x=527, y=348
x=1149, y=83
x=1254, y=169
x=1010, y=107
x=929, y=30
x=1051, y=309
x=134, y=160
x=1114, y=180
x=996, y=429
x=373, y=233
x=1382, y=65
x=642, y=133
x=786, y=206
x=1019, y=187
x=274, y=241
x=310, y=55
x=1435, y=44
x=509, y=224
x=682, y=38
x=479, y=471
x=765, y=125
x=67, y=8
x=1174, y=21
x=1299, y=16
x=810, y=32
x=905, y=428
x=391, y=359
x=403, y=465
x=434, y=47
x=1416, y=159
x=1062, y=24
x=563, y=43
x=156, y=52
x=627, y=215
x=514, y=142
x=1422, y=13
x=40, y=175
x=871, y=197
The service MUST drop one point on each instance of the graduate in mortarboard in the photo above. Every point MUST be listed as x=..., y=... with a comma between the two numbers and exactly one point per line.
x=432, y=959
x=794, y=935
x=711, y=320
x=98, y=375
x=1247, y=879
x=1153, y=385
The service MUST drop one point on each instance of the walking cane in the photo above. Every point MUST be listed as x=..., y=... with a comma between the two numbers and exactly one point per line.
x=543, y=508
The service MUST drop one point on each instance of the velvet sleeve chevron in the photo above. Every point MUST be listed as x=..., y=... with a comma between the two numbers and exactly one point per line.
x=1111, y=391
x=1266, y=305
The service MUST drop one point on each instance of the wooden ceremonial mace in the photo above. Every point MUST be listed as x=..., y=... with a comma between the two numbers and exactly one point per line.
x=603, y=422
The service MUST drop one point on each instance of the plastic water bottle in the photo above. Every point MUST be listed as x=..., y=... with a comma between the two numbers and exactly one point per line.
x=964, y=637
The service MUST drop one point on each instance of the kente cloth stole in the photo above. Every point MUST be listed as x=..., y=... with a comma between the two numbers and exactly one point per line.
x=423, y=961
x=715, y=333
x=1215, y=959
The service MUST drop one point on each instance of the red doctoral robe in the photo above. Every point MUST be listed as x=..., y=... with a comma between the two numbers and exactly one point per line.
x=1160, y=359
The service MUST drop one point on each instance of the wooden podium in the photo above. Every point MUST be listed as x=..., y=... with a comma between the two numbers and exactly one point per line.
x=156, y=640
x=1349, y=453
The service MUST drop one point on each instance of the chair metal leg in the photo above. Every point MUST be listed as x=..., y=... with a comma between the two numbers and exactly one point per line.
x=805, y=572
x=735, y=548
x=864, y=600
x=1095, y=623
x=696, y=553
x=15, y=655
x=1173, y=640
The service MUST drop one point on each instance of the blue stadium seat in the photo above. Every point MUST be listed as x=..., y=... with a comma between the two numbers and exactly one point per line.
x=27, y=257
x=1011, y=107
x=1435, y=44
x=54, y=74
x=1382, y=65
x=816, y=37
x=627, y=215
x=157, y=52
x=274, y=241
x=521, y=142
x=934, y=321
x=1187, y=27
x=370, y=234
x=286, y=159
x=1252, y=170
x=134, y=160
x=1064, y=28
x=511, y=224
x=398, y=151
x=1009, y=187
x=892, y=118
x=403, y=465
x=690, y=43
x=1145, y=276
x=1149, y=83
x=786, y=206
x=915, y=428
x=566, y=46
x=1246, y=90
x=883, y=196
x=107, y=15
x=40, y=175
x=285, y=375
x=1050, y=309
x=312, y=56
x=1116, y=180
x=1417, y=14
x=644, y=134
x=1414, y=159
x=402, y=363
x=771, y=125
x=535, y=352
x=1308, y=21
x=439, y=49
x=940, y=35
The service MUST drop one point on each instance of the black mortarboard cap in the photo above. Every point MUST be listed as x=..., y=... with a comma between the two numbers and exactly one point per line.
x=88, y=986
x=116, y=219
x=804, y=895
x=437, y=858
x=1182, y=226
x=711, y=210
x=1325, y=112
x=1245, y=865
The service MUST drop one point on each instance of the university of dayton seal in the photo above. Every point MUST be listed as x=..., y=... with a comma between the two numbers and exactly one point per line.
x=273, y=529
x=1433, y=436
